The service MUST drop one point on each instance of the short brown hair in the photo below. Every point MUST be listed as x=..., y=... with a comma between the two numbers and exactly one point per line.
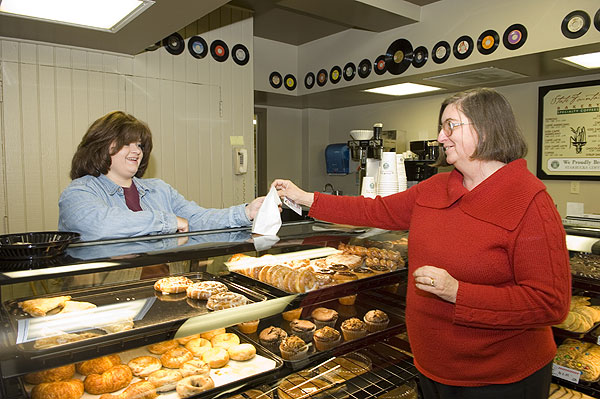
x=93, y=153
x=499, y=137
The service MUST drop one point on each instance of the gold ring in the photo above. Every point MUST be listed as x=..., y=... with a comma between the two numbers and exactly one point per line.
x=432, y=282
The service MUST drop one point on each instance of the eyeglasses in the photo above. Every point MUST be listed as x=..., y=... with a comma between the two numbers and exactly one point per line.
x=448, y=126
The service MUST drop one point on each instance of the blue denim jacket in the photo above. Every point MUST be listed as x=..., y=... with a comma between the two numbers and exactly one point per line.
x=95, y=208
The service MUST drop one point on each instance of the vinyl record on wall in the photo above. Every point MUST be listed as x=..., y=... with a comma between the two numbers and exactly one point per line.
x=398, y=56
x=197, y=47
x=275, y=80
x=335, y=74
x=219, y=50
x=597, y=20
x=379, y=65
x=364, y=68
x=575, y=24
x=420, y=55
x=322, y=77
x=514, y=36
x=174, y=43
x=309, y=80
x=240, y=54
x=463, y=47
x=349, y=71
x=440, y=52
x=488, y=42
x=289, y=81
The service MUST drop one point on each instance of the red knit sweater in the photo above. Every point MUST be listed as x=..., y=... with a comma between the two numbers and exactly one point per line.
x=505, y=244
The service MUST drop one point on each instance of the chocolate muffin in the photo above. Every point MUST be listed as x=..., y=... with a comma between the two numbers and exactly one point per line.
x=353, y=329
x=271, y=337
x=326, y=338
x=303, y=329
x=293, y=348
x=376, y=320
x=324, y=317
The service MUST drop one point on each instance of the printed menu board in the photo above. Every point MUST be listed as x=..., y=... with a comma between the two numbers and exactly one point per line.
x=569, y=131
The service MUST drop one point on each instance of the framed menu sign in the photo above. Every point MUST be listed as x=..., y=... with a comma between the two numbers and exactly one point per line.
x=569, y=131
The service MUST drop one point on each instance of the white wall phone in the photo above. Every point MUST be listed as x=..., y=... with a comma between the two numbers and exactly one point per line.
x=240, y=160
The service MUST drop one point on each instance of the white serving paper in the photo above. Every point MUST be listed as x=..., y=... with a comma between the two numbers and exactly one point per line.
x=268, y=219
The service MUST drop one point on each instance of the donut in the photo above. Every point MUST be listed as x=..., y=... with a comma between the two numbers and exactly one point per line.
x=215, y=357
x=225, y=300
x=194, y=367
x=51, y=375
x=143, y=366
x=204, y=289
x=162, y=347
x=185, y=340
x=193, y=385
x=70, y=389
x=241, y=352
x=172, y=285
x=174, y=358
x=209, y=334
x=224, y=340
x=164, y=380
x=98, y=365
x=198, y=346
x=117, y=377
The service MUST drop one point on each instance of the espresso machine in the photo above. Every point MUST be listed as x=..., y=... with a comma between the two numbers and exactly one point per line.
x=365, y=144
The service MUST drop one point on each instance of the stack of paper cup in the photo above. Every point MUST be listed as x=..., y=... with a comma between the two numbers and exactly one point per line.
x=368, y=187
x=388, y=176
x=401, y=170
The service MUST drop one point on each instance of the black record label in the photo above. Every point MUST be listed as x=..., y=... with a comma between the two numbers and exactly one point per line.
x=335, y=74
x=440, y=52
x=364, y=68
x=309, y=80
x=463, y=47
x=379, y=65
x=420, y=55
x=219, y=50
x=575, y=24
x=275, y=80
x=488, y=42
x=398, y=56
x=174, y=43
x=514, y=36
x=349, y=71
x=597, y=20
x=322, y=77
x=197, y=47
x=289, y=82
x=240, y=54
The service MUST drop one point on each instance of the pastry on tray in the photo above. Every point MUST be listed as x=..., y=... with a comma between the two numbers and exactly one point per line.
x=40, y=306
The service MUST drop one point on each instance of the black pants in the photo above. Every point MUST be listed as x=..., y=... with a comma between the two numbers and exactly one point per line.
x=536, y=386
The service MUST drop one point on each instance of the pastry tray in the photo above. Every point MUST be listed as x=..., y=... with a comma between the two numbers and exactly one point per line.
x=168, y=311
x=594, y=301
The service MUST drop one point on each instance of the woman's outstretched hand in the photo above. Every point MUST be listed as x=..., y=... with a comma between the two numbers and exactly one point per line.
x=285, y=188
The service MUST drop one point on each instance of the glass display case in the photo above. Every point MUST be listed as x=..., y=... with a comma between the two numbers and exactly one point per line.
x=101, y=298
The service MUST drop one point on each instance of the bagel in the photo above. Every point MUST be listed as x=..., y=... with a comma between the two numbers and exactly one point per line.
x=194, y=367
x=143, y=366
x=164, y=380
x=174, y=358
x=193, y=385
x=162, y=347
x=138, y=390
x=198, y=346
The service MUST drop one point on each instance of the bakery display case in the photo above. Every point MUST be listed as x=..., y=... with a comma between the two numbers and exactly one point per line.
x=114, y=302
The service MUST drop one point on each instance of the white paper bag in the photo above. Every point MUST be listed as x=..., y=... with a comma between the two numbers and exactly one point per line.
x=268, y=219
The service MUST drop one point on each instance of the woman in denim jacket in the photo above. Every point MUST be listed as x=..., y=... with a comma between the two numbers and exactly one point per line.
x=108, y=198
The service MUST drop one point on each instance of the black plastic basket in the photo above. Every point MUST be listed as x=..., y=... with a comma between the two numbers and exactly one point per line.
x=43, y=244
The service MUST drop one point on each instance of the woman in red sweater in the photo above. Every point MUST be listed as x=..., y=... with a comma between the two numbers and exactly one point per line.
x=488, y=265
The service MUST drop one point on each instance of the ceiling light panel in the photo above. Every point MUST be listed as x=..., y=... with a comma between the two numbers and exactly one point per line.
x=402, y=89
x=584, y=61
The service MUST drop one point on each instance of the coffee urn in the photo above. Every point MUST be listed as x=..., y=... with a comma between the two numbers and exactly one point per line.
x=360, y=150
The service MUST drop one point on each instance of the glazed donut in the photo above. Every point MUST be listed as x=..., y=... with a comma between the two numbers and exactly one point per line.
x=98, y=365
x=162, y=347
x=204, y=289
x=174, y=358
x=225, y=340
x=143, y=366
x=185, y=340
x=51, y=375
x=194, y=367
x=241, y=352
x=193, y=385
x=198, y=346
x=209, y=334
x=226, y=300
x=164, y=380
x=172, y=285
x=71, y=389
x=215, y=357
x=138, y=390
x=117, y=377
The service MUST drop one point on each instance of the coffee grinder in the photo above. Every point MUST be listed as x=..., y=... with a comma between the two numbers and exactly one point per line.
x=365, y=145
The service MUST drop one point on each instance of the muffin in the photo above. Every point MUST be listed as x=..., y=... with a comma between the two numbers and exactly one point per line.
x=248, y=327
x=326, y=338
x=347, y=300
x=376, y=320
x=303, y=329
x=293, y=348
x=324, y=317
x=271, y=337
x=292, y=314
x=353, y=329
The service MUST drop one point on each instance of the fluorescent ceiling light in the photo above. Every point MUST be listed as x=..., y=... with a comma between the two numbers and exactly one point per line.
x=585, y=61
x=107, y=15
x=403, y=89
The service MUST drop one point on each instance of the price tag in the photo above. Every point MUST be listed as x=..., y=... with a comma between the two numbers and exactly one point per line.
x=292, y=205
x=566, y=373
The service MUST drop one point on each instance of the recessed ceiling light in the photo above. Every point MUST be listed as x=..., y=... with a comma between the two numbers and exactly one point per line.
x=106, y=15
x=403, y=89
x=584, y=61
